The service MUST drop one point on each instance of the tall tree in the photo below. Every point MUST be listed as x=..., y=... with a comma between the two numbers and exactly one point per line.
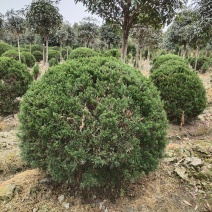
x=15, y=23
x=62, y=36
x=44, y=17
x=128, y=13
x=110, y=35
x=87, y=31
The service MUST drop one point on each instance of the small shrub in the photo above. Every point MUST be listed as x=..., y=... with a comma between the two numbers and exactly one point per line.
x=82, y=53
x=14, y=55
x=36, y=47
x=113, y=53
x=205, y=67
x=53, y=62
x=181, y=90
x=54, y=54
x=164, y=58
x=4, y=47
x=36, y=71
x=38, y=55
x=200, y=63
x=93, y=122
x=30, y=59
x=14, y=81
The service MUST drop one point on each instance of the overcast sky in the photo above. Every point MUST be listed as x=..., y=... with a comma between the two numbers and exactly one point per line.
x=71, y=12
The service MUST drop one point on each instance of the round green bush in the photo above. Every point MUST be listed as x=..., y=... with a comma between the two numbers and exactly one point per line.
x=30, y=59
x=205, y=67
x=36, y=47
x=36, y=71
x=164, y=58
x=38, y=55
x=113, y=53
x=82, y=52
x=181, y=90
x=14, y=55
x=14, y=81
x=4, y=47
x=200, y=63
x=53, y=62
x=93, y=122
x=54, y=54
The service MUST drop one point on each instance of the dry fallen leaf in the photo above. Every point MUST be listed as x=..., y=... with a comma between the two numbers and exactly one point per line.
x=196, y=207
x=207, y=206
x=193, y=195
x=187, y=203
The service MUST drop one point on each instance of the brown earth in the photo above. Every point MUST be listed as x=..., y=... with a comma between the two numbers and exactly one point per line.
x=182, y=183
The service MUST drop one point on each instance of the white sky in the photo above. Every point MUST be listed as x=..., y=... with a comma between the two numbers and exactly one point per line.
x=71, y=12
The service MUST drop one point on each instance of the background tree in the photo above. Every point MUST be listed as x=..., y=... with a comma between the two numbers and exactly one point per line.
x=62, y=37
x=110, y=35
x=30, y=37
x=44, y=17
x=87, y=31
x=128, y=13
x=15, y=23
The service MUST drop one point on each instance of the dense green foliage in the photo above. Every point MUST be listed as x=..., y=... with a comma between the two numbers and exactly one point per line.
x=54, y=54
x=4, y=47
x=181, y=89
x=29, y=58
x=164, y=58
x=82, y=52
x=36, y=47
x=113, y=53
x=38, y=55
x=206, y=61
x=14, y=81
x=36, y=71
x=93, y=122
x=14, y=55
x=53, y=61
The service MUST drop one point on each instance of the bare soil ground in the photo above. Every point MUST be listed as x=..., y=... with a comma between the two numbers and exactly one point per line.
x=182, y=183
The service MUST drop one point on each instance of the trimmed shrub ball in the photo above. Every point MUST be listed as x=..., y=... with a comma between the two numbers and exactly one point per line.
x=82, y=52
x=14, y=55
x=36, y=47
x=200, y=62
x=38, y=55
x=164, y=58
x=53, y=62
x=14, y=81
x=30, y=59
x=54, y=54
x=113, y=53
x=4, y=47
x=93, y=122
x=181, y=89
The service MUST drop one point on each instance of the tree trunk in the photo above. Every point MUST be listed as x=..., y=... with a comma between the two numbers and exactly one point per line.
x=19, y=51
x=197, y=55
x=184, y=50
x=67, y=52
x=148, y=53
x=61, y=58
x=43, y=54
x=47, y=50
x=30, y=48
x=137, y=57
x=140, y=55
x=124, y=43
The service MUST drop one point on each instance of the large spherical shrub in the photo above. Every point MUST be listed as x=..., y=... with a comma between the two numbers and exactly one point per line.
x=14, y=81
x=93, y=122
x=4, y=47
x=82, y=52
x=54, y=54
x=36, y=47
x=14, y=55
x=181, y=89
x=30, y=59
x=113, y=53
x=38, y=55
x=158, y=61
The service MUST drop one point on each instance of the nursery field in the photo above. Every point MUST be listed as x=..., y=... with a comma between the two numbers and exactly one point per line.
x=182, y=182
